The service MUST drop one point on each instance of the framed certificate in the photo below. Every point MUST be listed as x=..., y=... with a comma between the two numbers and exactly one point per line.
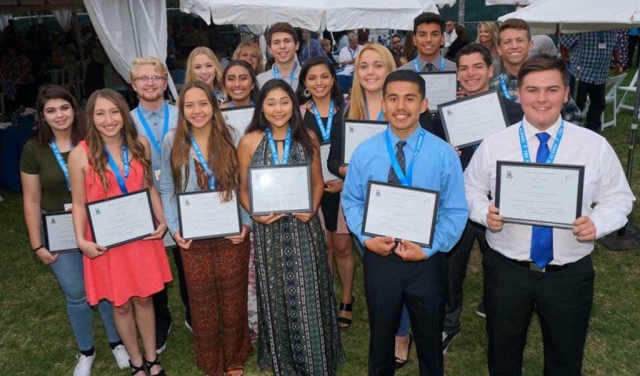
x=238, y=117
x=120, y=220
x=281, y=189
x=324, y=156
x=203, y=215
x=440, y=87
x=539, y=194
x=59, y=235
x=470, y=120
x=400, y=212
x=355, y=132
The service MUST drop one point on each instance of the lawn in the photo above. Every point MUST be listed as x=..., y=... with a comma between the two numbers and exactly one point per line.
x=36, y=338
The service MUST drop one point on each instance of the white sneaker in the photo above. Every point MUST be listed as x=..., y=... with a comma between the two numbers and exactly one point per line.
x=122, y=358
x=83, y=368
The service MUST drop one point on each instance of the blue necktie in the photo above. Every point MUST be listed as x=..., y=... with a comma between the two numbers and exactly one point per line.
x=542, y=236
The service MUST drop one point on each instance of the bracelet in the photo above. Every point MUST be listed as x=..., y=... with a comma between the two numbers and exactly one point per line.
x=39, y=248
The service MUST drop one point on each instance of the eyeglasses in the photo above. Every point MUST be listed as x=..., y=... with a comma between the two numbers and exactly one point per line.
x=145, y=79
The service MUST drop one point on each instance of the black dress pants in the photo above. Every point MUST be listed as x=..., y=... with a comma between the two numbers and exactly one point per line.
x=390, y=282
x=596, y=94
x=562, y=297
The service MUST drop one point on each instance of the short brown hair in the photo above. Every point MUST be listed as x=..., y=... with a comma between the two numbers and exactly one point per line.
x=514, y=23
x=281, y=27
x=543, y=62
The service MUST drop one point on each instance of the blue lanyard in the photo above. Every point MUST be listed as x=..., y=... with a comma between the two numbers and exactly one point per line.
x=554, y=148
x=404, y=180
x=326, y=131
x=417, y=66
x=203, y=162
x=61, y=162
x=232, y=105
x=276, y=73
x=353, y=53
x=116, y=170
x=156, y=144
x=505, y=90
x=366, y=107
x=274, y=150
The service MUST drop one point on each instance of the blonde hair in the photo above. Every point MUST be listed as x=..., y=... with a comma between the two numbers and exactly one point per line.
x=149, y=60
x=255, y=49
x=493, y=31
x=190, y=75
x=357, y=108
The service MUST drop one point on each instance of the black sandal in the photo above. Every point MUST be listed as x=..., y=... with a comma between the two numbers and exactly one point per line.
x=135, y=370
x=152, y=363
x=346, y=308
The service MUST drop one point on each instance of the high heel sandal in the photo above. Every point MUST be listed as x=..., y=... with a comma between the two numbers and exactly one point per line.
x=346, y=308
x=135, y=370
x=152, y=363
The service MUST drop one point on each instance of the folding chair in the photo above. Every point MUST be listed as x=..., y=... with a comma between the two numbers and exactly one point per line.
x=611, y=96
x=628, y=89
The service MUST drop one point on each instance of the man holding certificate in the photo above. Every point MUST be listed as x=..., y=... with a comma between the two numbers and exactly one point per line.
x=397, y=271
x=534, y=267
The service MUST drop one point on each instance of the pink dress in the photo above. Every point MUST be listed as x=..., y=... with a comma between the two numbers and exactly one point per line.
x=140, y=268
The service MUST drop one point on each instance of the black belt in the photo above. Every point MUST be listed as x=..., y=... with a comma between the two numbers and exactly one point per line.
x=532, y=266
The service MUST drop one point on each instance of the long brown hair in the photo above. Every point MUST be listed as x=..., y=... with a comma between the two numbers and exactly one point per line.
x=97, y=157
x=44, y=135
x=225, y=162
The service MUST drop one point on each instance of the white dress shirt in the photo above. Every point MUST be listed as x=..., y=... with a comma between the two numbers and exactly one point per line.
x=605, y=186
x=347, y=53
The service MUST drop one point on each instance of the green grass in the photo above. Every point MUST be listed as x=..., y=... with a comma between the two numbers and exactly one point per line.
x=36, y=338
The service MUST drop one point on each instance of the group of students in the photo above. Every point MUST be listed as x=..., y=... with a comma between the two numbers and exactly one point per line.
x=171, y=150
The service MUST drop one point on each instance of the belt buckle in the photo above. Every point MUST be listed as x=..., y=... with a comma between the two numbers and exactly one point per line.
x=536, y=268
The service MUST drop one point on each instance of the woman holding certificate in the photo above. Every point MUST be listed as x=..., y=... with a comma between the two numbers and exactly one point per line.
x=112, y=162
x=322, y=109
x=298, y=326
x=203, y=65
x=200, y=156
x=45, y=185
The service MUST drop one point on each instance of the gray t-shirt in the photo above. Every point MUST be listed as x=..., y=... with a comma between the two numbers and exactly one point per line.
x=268, y=75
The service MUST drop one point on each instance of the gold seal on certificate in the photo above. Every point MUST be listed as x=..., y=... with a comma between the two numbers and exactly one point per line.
x=440, y=87
x=203, y=215
x=403, y=213
x=238, y=117
x=281, y=189
x=470, y=120
x=355, y=132
x=122, y=219
x=539, y=194
x=59, y=235
x=324, y=156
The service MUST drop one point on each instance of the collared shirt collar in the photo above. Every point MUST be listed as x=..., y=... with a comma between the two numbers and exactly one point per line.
x=148, y=113
x=435, y=62
x=530, y=131
x=412, y=140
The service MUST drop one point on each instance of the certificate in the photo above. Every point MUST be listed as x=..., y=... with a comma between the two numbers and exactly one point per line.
x=470, y=120
x=324, y=156
x=120, y=220
x=400, y=212
x=238, y=117
x=59, y=235
x=355, y=132
x=440, y=87
x=539, y=194
x=281, y=189
x=203, y=215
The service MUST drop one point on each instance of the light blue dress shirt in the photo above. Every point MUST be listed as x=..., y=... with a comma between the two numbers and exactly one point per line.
x=437, y=167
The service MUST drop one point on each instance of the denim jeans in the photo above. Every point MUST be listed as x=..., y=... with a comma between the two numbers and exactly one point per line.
x=69, y=271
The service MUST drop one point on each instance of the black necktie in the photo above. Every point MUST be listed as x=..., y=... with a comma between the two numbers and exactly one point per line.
x=393, y=178
x=429, y=67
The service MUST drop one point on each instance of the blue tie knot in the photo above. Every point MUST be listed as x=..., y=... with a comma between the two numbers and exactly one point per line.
x=543, y=137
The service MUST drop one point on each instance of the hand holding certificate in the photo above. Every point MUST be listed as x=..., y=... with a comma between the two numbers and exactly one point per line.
x=440, y=87
x=470, y=120
x=122, y=219
x=403, y=213
x=59, y=235
x=280, y=189
x=355, y=132
x=238, y=117
x=203, y=215
x=539, y=194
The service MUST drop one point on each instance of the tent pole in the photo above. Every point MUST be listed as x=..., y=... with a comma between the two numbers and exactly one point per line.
x=77, y=27
x=136, y=37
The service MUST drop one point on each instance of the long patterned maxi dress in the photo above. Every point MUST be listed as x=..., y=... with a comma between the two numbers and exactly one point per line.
x=298, y=324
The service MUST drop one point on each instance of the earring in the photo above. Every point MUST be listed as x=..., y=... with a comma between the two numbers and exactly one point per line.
x=306, y=93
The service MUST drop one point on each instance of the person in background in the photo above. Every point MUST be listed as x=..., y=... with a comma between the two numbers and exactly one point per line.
x=633, y=42
x=409, y=48
x=316, y=48
x=623, y=47
x=249, y=52
x=326, y=48
x=450, y=34
x=203, y=65
x=461, y=40
x=282, y=40
x=344, y=39
x=542, y=44
x=348, y=54
x=396, y=49
x=45, y=186
x=488, y=37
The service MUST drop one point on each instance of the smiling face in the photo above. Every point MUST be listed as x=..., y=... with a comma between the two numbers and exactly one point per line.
x=514, y=46
x=319, y=81
x=198, y=110
x=371, y=71
x=58, y=114
x=283, y=47
x=474, y=74
x=107, y=118
x=204, y=69
x=238, y=83
x=484, y=34
x=148, y=88
x=277, y=108
x=428, y=39
x=542, y=95
x=402, y=105
x=248, y=55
